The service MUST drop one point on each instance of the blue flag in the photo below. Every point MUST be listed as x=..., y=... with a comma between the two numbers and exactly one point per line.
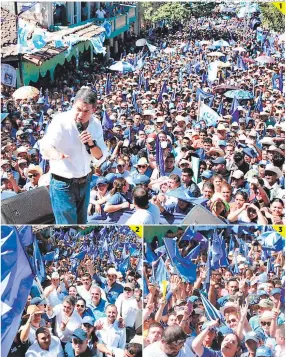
x=259, y=105
x=150, y=256
x=107, y=123
x=26, y=235
x=161, y=272
x=124, y=265
x=206, y=283
x=38, y=262
x=211, y=312
x=194, y=253
x=162, y=91
x=49, y=257
x=16, y=282
x=234, y=110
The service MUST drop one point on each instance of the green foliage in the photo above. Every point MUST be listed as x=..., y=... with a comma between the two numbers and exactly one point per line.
x=171, y=11
x=272, y=18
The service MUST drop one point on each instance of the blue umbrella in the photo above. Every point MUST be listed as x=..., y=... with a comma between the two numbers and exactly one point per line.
x=239, y=94
x=122, y=66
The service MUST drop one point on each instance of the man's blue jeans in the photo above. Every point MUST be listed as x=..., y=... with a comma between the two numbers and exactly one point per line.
x=70, y=201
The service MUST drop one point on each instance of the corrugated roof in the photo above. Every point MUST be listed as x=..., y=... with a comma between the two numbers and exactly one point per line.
x=9, y=39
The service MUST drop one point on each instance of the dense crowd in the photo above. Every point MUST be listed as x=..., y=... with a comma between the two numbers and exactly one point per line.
x=86, y=302
x=227, y=302
x=163, y=155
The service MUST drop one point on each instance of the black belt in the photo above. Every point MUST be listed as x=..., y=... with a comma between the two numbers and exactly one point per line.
x=79, y=180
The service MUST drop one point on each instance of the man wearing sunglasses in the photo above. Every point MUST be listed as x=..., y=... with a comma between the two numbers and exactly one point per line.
x=171, y=345
x=33, y=173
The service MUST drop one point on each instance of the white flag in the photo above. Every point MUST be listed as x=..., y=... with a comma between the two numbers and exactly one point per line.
x=212, y=71
x=208, y=115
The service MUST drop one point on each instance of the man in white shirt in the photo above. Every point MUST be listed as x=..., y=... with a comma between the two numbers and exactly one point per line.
x=146, y=212
x=127, y=308
x=53, y=292
x=107, y=329
x=172, y=344
x=73, y=140
x=84, y=290
x=100, y=13
x=45, y=345
x=67, y=318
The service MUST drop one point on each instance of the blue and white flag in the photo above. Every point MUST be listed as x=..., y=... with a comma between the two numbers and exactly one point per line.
x=16, y=282
x=151, y=48
x=107, y=27
x=211, y=312
x=208, y=115
x=26, y=235
x=97, y=44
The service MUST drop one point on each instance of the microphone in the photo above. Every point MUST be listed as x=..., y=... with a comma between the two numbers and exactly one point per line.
x=80, y=130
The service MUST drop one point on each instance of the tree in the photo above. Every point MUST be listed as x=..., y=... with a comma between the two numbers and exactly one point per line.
x=171, y=11
x=272, y=18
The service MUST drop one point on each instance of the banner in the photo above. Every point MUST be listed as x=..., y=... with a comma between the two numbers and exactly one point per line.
x=208, y=115
x=8, y=75
x=212, y=71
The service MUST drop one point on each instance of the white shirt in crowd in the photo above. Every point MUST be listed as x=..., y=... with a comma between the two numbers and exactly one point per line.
x=55, y=349
x=74, y=322
x=154, y=350
x=150, y=215
x=63, y=135
x=112, y=335
x=85, y=294
x=54, y=298
x=128, y=308
x=100, y=14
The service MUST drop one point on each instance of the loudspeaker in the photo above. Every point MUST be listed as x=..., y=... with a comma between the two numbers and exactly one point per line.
x=31, y=207
x=201, y=215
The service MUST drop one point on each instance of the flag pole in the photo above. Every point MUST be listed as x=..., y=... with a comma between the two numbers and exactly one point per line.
x=19, y=54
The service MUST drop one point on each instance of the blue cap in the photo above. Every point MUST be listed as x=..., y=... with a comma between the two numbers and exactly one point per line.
x=223, y=300
x=250, y=152
x=207, y=174
x=263, y=351
x=252, y=336
x=110, y=177
x=141, y=180
x=88, y=320
x=225, y=330
x=275, y=291
x=221, y=143
x=101, y=181
x=38, y=301
x=41, y=100
x=263, y=162
x=193, y=299
x=80, y=333
x=219, y=160
x=262, y=292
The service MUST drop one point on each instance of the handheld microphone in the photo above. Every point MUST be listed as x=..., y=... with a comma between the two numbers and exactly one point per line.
x=80, y=130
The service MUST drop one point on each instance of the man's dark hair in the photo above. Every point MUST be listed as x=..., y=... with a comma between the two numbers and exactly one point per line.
x=170, y=155
x=175, y=177
x=209, y=185
x=135, y=349
x=87, y=95
x=173, y=333
x=189, y=171
x=140, y=196
x=155, y=324
x=42, y=329
x=207, y=140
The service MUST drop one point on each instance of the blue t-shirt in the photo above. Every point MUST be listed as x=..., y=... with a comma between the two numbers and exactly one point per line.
x=98, y=311
x=208, y=352
x=113, y=292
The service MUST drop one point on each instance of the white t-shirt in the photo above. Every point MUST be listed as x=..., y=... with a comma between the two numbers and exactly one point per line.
x=54, y=297
x=155, y=173
x=100, y=13
x=74, y=322
x=151, y=215
x=63, y=134
x=55, y=349
x=154, y=350
x=112, y=335
x=129, y=309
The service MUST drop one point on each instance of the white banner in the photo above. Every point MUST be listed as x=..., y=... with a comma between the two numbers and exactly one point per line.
x=212, y=71
x=208, y=115
x=8, y=75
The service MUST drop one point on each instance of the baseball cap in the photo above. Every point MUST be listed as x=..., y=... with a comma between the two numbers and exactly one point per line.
x=129, y=285
x=38, y=301
x=275, y=291
x=238, y=174
x=266, y=303
x=207, y=174
x=88, y=320
x=251, y=336
x=141, y=180
x=262, y=292
x=80, y=334
x=101, y=181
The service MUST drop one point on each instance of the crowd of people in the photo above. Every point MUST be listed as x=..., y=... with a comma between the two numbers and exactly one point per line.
x=162, y=156
x=85, y=302
x=234, y=308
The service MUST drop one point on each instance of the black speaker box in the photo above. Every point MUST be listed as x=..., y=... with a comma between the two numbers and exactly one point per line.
x=31, y=207
x=201, y=215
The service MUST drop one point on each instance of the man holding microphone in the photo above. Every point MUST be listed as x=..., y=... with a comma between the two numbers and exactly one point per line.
x=73, y=140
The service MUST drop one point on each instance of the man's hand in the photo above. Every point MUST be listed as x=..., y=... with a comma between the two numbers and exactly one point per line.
x=86, y=138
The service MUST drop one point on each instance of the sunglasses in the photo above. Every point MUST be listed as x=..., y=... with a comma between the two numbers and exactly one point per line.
x=265, y=323
x=77, y=341
x=232, y=320
x=263, y=166
x=127, y=289
x=33, y=175
x=141, y=166
x=78, y=305
x=87, y=325
x=120, y=165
